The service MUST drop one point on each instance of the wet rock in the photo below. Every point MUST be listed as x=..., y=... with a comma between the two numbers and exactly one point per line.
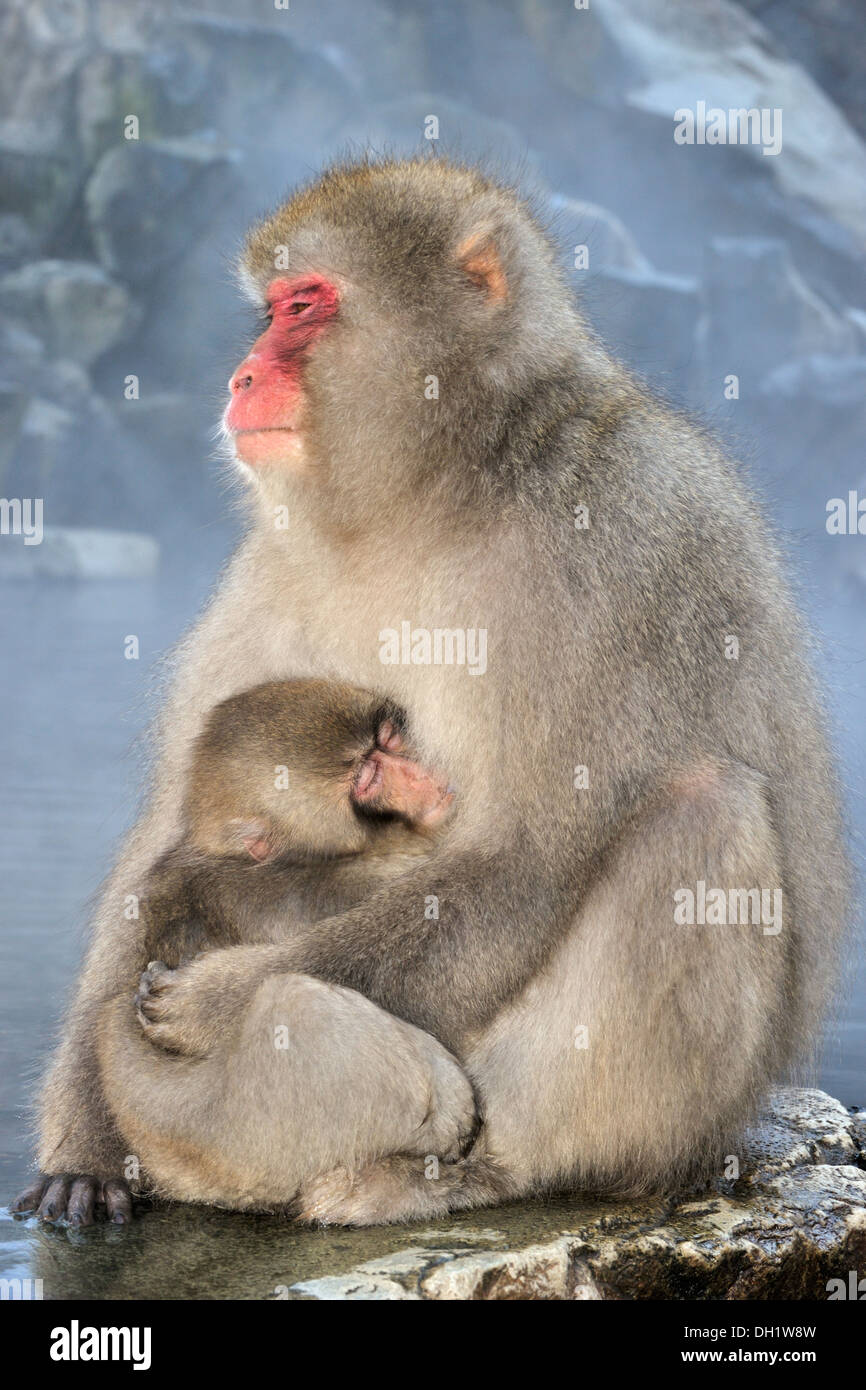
x=609, y=243
x=758, y=311
x=16, y=240
x=810, y=409
x=274, y=93
x=39, y=175
x=803, y=1127
x=164, y=88
x=147, y=201
x=462, y=133
x=647, y=318
x=793, y=1220
x=73, y=306
x=637, y=62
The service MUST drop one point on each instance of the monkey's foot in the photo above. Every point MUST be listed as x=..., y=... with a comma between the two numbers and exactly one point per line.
x=451, y=1123
x=401, y=1188
x=393, y=1189
x=338, y=1198
x=76, y=1198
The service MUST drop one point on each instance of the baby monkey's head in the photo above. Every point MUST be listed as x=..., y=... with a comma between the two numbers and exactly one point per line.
x=306, y=768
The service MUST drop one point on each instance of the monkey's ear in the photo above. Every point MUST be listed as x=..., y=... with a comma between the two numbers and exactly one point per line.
x=479, y=259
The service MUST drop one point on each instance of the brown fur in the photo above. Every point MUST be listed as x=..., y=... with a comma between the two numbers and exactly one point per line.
x=322, y=856
x=606, y=647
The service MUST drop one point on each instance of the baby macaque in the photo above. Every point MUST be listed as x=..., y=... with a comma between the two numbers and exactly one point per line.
x=301, y=799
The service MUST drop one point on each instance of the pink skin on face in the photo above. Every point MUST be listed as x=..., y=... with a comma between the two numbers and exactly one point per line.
x=264, y=413
x=389, y=782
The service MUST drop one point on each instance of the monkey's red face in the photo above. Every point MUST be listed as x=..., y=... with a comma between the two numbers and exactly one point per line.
x=265, y=412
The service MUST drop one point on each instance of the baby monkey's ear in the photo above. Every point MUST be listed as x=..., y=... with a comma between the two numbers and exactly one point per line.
x=250, y=837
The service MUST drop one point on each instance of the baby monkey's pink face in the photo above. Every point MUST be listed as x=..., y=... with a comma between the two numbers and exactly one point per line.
x=389, y=781
x=382, y=781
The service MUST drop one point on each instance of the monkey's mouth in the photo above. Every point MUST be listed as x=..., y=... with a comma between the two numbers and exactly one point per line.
x=267, y=444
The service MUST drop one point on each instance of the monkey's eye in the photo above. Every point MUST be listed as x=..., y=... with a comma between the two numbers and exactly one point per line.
x=299, y=307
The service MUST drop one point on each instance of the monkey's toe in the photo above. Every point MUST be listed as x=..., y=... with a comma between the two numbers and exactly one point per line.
x=53, y=1204
x=75, y=1198
x=118, y=1201
x=28, y=1201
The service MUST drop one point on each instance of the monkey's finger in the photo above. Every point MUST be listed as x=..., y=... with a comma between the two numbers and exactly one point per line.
x=164, y=1035
x=53, y=1204
x=154, y=978
x=118, y=1201
x=29, y=1199
x=82, y=1200
x=147, y=1010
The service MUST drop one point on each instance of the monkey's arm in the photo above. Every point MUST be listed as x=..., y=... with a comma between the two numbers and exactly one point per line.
x=447, y=944
x=426, y=948
x=175, y=928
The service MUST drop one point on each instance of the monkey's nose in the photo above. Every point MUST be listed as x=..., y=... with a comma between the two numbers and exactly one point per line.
x=242, y=379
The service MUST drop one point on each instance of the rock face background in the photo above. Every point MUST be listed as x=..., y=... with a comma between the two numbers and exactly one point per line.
x=704, y=261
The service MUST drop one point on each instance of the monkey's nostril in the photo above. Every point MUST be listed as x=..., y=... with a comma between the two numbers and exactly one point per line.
x=243, y=383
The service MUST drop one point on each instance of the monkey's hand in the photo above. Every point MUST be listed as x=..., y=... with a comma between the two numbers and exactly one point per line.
x=76, y=1198
x=190, y=1010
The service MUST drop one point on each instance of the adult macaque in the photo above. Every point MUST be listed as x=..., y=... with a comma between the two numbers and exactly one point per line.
x=301, y=800
x=610, y=1046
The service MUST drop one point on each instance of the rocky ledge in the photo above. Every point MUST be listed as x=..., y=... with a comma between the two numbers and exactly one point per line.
x=794, y=1219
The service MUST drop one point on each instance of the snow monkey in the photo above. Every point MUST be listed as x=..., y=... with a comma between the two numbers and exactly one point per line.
x=301, y=799
x=427, y=414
